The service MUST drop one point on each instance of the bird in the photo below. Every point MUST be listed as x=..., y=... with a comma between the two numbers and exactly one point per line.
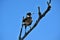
x=27, y=21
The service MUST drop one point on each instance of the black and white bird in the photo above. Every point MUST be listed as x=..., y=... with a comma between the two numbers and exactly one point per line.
x=27, y=21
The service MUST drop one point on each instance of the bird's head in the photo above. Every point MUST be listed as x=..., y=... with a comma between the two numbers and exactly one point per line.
x=29, y=14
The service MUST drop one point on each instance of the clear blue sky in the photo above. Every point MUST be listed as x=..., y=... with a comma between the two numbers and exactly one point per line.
x=12, y=11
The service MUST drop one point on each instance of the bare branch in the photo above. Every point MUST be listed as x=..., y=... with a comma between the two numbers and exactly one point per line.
x=37, y=21
x=49, y=7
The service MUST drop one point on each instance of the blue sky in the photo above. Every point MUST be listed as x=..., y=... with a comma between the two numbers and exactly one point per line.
x=12, y=11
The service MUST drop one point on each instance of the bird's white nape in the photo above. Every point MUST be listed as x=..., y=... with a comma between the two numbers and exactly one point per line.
x=28, y=16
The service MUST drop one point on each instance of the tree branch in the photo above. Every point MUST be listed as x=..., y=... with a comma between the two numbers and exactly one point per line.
x=37, y=21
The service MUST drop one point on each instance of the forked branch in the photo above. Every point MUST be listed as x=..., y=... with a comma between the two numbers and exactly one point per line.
x=37, y=21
